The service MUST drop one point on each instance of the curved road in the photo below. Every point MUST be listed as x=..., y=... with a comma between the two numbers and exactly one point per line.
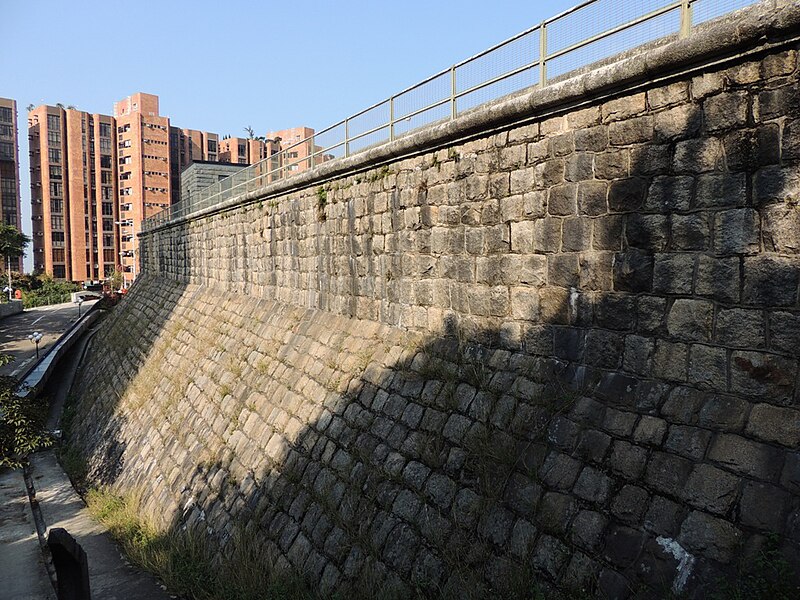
x=51, y=321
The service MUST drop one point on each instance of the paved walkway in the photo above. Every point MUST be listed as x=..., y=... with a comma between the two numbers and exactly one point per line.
x=22, y=572
x=52, y=321
x=111, y=576
x=23, y=575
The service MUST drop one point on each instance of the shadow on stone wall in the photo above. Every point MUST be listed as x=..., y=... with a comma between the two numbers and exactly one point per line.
x=616, y=448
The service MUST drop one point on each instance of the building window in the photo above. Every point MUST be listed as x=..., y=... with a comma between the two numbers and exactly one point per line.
x=105, y=145
x=56, y=206
x=212, y=145
x=6, y=115
x=105, y=177
x=108, y=224
x=54, y=137
x=8, y=190
x=105, y=130
x=58, y=239
x=6, y=131
x=55, y=172
x=125, y=160
x=54, y=122
x=106, y=193
x=108, y=240
x=57, y=222
x=107, y=209
x=58, y=255
x=56, y=188
x=54, y=155
x=6, y=151
x=59, y=272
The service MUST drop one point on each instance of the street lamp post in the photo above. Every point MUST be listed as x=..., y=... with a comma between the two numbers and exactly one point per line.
x=36, y=337
x=8, y=270
x=79, y=301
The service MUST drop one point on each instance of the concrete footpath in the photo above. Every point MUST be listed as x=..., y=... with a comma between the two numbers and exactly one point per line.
x=111, y=576
x=23, y=571
x=23, y=575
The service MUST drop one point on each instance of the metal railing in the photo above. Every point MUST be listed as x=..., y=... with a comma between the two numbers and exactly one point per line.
x=577, y=38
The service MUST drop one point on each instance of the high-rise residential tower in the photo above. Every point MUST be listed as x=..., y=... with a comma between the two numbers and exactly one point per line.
x=10, y=213
x=187, y=146
x=246, y=151
x=144, y=170
x=73, y=193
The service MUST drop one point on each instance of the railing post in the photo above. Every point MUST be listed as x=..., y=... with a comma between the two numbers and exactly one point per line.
x=543, y=54
x=311, y=154
x=453, y=109
x=686, y=18
x=391, y=119
x=347, y=137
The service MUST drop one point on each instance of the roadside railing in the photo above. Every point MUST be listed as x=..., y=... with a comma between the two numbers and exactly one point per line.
x=574, y=39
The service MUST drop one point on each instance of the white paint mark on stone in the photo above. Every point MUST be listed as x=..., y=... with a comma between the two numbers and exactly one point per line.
x=573, y=304
x=685, y=562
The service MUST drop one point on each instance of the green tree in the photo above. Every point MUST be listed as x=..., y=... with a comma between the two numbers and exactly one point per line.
x=115, y=280
x=22, y=423
x=12, y=245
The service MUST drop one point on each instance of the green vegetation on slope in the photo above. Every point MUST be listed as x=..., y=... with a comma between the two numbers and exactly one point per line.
x=41, y=290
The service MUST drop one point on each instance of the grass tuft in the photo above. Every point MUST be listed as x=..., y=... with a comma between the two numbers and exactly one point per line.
x=185, y=561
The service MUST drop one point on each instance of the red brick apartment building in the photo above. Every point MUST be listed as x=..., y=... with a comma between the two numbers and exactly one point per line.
x=73, y=193
x=94, y=178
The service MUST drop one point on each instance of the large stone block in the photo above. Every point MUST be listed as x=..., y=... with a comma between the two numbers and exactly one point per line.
x=782, y=228
x=709, y=536
x=690, y=319
x=775, y=424
x=737, y=231
x=726, y=111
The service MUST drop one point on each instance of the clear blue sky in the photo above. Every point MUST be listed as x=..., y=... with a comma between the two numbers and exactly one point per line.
x=220, y=66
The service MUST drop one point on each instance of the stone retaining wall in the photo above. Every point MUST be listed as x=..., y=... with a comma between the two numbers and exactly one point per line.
x=564, y=350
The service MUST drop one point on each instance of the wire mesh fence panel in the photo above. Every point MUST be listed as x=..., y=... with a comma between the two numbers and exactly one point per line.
x=376, y=116
x=647, y=31
x=705, y=10
x=596, y=18
x=422, y=119
x=369, y=140
x=331, y=140
x=515, y=54
x=498, y=89
x=422, y=96
x=580, y=38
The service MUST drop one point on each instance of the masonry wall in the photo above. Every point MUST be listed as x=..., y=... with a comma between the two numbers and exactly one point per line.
x=563, y=348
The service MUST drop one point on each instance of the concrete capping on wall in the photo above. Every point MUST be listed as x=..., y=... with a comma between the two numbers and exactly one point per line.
x=751, y=30
x=12, y=307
